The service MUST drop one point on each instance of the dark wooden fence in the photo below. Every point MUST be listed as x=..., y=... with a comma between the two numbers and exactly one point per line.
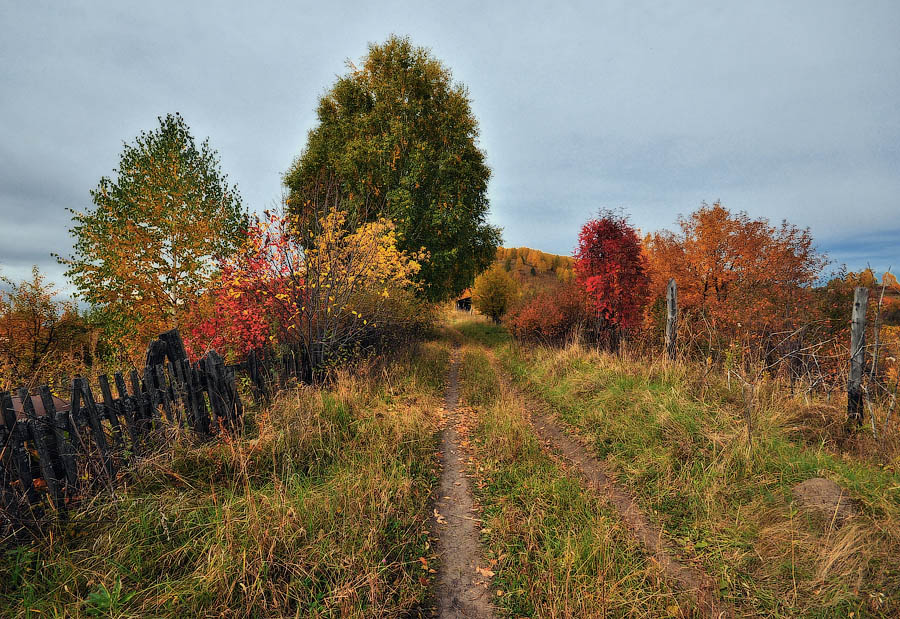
x=55, y=451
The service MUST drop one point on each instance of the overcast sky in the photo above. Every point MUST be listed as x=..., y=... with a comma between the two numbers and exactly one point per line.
x=783, y=109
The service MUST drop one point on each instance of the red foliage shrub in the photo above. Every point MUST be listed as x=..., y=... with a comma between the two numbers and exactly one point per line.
x=254, y=300
x=233, y=318
x=551, y=316
x=612, y=270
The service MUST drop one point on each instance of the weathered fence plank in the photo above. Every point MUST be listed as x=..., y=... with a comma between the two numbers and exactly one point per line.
x=127, y=406
x=16, y=447
x=55, y=445
x=59, y=422
x=671, y=318
x=42, y=441
x=96, y=424
x=855, y=398
x=109, y=410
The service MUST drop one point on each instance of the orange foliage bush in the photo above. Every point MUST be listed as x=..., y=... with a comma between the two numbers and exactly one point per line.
x=742, y=276
x=550, y=316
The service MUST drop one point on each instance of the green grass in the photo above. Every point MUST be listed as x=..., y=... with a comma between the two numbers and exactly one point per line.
x=557, y=550
x=481, y=330
x=685, y=458
x=323, y=513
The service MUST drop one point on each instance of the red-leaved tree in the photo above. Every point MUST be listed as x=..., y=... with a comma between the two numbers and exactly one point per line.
x=254, y=301
x=612, y=270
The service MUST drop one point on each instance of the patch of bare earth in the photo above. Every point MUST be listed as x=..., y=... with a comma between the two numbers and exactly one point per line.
x=687, y=577
x=462, y=591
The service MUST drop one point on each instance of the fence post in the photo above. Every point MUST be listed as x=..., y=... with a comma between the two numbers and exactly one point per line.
x=40, y=434
x=18, y=456
x=857, y=356
x=671, y=317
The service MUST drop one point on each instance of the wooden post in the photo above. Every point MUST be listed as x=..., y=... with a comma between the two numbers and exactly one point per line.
x=857, y=356
x=17, y=454
x=60, y=425
x=671, y=318
x=42, y=440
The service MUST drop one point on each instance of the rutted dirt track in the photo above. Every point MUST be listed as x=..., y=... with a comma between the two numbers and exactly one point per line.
x=690, y=579
x=461, y=590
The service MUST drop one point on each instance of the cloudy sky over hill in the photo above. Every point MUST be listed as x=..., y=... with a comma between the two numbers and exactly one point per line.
x=785, y=110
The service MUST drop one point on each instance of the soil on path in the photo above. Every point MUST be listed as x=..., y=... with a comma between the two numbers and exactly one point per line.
x=691, y=579
x=461, y=590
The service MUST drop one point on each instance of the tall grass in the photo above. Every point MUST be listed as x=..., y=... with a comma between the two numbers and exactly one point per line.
x=678, y=440
x=556, y=548
x=322, y=513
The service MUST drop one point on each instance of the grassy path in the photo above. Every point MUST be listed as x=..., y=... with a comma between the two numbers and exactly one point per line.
x=554, y=547
x=677, y=444
x=462, y=590
x=685, y=574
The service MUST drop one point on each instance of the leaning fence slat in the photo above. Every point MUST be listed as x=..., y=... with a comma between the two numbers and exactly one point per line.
x=143, y=405
x=17, y=453
x=237, y=407
x=110, y=412
x=9, y=502
x=213, y=387
x=127, y=406
x=202, y=421
x=60, y=425
x=174, y=393
x=183, y=368
x=153, y=397
x=92, y=413
x=42, y=441
x=163, y=393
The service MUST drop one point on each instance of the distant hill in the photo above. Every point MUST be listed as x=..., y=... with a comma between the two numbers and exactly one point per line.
x=535, y=269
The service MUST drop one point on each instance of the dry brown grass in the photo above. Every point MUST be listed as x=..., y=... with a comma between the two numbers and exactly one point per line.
x=323, y=513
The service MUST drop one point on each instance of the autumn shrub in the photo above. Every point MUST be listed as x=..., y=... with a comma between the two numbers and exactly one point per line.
x=42, y=339
x=551, y=316
x=404, y=319
x=494, y=292
x=319, y=283
x=611, y=268
x=742, y=279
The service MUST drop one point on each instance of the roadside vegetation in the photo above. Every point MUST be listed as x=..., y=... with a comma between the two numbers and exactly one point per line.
x=676, y=438
x=554, y=547
x=321, y=510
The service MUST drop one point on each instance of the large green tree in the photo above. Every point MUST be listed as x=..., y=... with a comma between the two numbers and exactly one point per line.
x=151, y=242
x=401, y=138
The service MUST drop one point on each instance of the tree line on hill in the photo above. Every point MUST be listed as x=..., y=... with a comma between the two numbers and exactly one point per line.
x=751, y=295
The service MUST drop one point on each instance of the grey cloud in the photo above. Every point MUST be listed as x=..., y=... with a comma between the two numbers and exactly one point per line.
x=780, y=109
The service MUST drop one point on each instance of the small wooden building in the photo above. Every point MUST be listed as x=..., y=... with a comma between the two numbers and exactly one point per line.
x=464, y=301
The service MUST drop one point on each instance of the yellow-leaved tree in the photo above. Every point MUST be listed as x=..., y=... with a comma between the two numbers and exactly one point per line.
x=320, y=284
x=148, y=248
